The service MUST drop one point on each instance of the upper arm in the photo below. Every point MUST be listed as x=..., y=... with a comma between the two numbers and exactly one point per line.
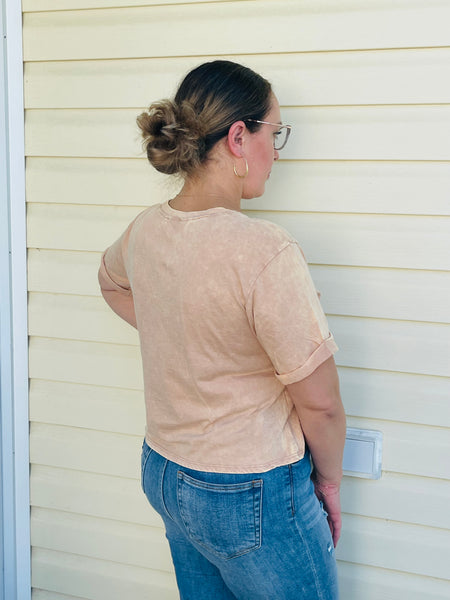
x=319, y=391
x=110, y=281
x=287, y=318
x=113, y=275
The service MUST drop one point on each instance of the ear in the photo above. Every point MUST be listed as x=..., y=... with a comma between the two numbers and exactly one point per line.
x=235, y=138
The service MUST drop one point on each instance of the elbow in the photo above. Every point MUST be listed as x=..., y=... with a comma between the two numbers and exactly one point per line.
x=334, y=409
x=329, y=405
x=325, y=405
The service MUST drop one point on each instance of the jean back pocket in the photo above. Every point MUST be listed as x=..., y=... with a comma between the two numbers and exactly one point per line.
x=224, y=519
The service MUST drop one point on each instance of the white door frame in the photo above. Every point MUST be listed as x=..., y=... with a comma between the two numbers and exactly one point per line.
x=14, y=431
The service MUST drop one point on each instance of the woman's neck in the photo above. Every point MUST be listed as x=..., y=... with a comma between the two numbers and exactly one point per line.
x=195, y=201
x=216, y=185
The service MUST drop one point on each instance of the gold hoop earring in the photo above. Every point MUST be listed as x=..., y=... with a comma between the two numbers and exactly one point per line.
x=246, y=170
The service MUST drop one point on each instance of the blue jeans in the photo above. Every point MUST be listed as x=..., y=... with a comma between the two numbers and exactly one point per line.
x=261, y=536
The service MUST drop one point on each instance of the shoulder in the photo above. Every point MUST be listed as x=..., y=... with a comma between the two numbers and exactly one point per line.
x=266, y=237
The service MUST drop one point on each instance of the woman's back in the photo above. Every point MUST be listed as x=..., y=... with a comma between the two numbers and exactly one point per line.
x=203, y=284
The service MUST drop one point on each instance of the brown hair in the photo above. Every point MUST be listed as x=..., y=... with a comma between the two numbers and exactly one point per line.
x=179, y=134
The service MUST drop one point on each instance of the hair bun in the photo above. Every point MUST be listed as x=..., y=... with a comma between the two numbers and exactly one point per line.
x=180, y=134
x=173, y=136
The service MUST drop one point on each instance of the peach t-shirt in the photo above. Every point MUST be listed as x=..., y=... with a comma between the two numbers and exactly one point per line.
x=227, y=315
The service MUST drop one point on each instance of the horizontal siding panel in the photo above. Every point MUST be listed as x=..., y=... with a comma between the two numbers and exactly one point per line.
x=74, y=221
x=351, y=240
x=369, y=240
x=131, y=182
x=362, y=582
x=410, y=398
x=411, y=449
x=368, y=133
x=357, y=187
x=93, y=579
x=305, y=26
x=368, y=394
x=103, y=453
x=395, y=546
x=37, y=594
x=322, y=186
x=409, y=499
x=82, y=130
x=414, y=76
x=78, y=318
x=86, y=362
x=384, y=293
x=49, y=5
x=408, y=449
x=125, y=543
x=421, y=348
x=92, y=494
x=90, y=407
x=63, y=272
x=365, y=343
x=332, y=133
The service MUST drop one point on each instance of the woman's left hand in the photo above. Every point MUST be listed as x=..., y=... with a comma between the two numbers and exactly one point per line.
x=329, y=495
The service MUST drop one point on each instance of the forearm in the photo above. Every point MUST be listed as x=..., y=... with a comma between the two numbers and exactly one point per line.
x=325, y=435
x=121, y=304
x=319, y=407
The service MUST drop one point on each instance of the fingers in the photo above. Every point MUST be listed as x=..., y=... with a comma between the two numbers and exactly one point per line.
x=330, y=498
x=335, y=528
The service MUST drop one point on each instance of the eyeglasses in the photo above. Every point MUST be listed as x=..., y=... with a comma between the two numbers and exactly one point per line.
x=281, y=136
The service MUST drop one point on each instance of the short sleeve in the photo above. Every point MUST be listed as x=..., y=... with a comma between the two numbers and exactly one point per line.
x=112, y=274
x=286, y=315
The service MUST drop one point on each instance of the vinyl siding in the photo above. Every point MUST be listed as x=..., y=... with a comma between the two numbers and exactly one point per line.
x=364, y=185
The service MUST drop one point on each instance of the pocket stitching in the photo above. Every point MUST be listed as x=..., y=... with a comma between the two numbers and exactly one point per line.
x=256, y=485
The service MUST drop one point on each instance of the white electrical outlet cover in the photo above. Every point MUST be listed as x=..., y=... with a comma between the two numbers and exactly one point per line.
x=362, y=453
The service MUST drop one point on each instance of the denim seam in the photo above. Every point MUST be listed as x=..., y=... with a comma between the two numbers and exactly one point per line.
x=161, y=490
x=143, y=468
x=257, y=503
x=258, y=507
x=311, y=561
x=219, y=487
x=291, y=482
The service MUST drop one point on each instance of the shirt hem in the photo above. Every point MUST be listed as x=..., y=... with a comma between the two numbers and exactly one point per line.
x=218, y=468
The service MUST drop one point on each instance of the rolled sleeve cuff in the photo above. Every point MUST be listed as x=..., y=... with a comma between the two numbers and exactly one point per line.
x=108, y=284
x=326, y=349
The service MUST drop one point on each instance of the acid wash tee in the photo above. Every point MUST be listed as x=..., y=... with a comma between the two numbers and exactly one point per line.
x=227, y=315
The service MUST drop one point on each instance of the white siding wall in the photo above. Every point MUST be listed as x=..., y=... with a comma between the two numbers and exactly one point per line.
x=363, y=184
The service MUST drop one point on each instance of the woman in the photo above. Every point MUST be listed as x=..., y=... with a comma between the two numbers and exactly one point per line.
x=240, y=383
